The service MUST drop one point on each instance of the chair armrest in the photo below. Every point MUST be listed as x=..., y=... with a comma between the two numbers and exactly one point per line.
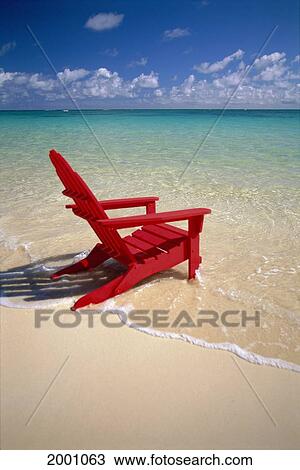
x=127, y=202
x=157, y=218
x=108, y=204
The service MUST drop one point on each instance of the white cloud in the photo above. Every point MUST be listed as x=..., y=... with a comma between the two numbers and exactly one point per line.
x=229, y=80
x=190, y=90
x=176, y=33
x=158, y=92
x=82, y=84
x=103, y=72
x=104, y=21
x=268, y=60
x=38, y=82
x=275, y=87
x=6, y=76
x=139, y=63
x=272, y=73
x=5, y=48
x=21, y=86
x=111, y=52
x=146, y=81
x=187, y=86
x=104, y=84
x=296, y=59
x=204, y=93
x=206, y=67
x=291, y=75
x=68, y=75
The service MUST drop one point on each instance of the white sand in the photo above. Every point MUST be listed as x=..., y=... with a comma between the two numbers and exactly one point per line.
x=121, y=389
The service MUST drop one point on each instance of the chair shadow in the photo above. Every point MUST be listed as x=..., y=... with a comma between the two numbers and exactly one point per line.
x=32, y=282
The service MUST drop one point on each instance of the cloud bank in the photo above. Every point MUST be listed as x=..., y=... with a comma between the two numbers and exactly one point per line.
x=272, y=82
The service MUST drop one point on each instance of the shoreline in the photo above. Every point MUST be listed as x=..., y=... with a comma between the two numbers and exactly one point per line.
x=121, y=310
x=251, y=357
x=235, y=349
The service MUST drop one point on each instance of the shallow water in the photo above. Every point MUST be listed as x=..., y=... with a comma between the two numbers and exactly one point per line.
x=246, y=171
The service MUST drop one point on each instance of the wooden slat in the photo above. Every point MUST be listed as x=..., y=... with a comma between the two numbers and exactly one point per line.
x=135, y=251
x=127, y=202
x=143, y=246
x=162, y=232
x=179, y=231
x=148, y=237
x=162, y=244
x=155, y=218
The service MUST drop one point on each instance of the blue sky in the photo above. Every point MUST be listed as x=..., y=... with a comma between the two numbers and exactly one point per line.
x=171, y=53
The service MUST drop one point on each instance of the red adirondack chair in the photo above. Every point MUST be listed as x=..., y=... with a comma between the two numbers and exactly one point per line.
x=154, y=247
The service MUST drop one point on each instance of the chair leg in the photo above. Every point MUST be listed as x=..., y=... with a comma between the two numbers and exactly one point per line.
x=93, y=259
x=193, y=266
x=195, y=227
x=102, y=293
x=116, y=286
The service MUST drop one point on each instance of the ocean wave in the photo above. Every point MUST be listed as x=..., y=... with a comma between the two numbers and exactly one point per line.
x=229, y=347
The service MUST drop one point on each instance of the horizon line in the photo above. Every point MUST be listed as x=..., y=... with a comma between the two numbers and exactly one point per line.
x=151, y=109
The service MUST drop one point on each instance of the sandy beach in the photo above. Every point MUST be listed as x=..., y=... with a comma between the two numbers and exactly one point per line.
x=118, y=388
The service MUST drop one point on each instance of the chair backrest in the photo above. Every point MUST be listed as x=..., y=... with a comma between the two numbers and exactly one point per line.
x=89, y=208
